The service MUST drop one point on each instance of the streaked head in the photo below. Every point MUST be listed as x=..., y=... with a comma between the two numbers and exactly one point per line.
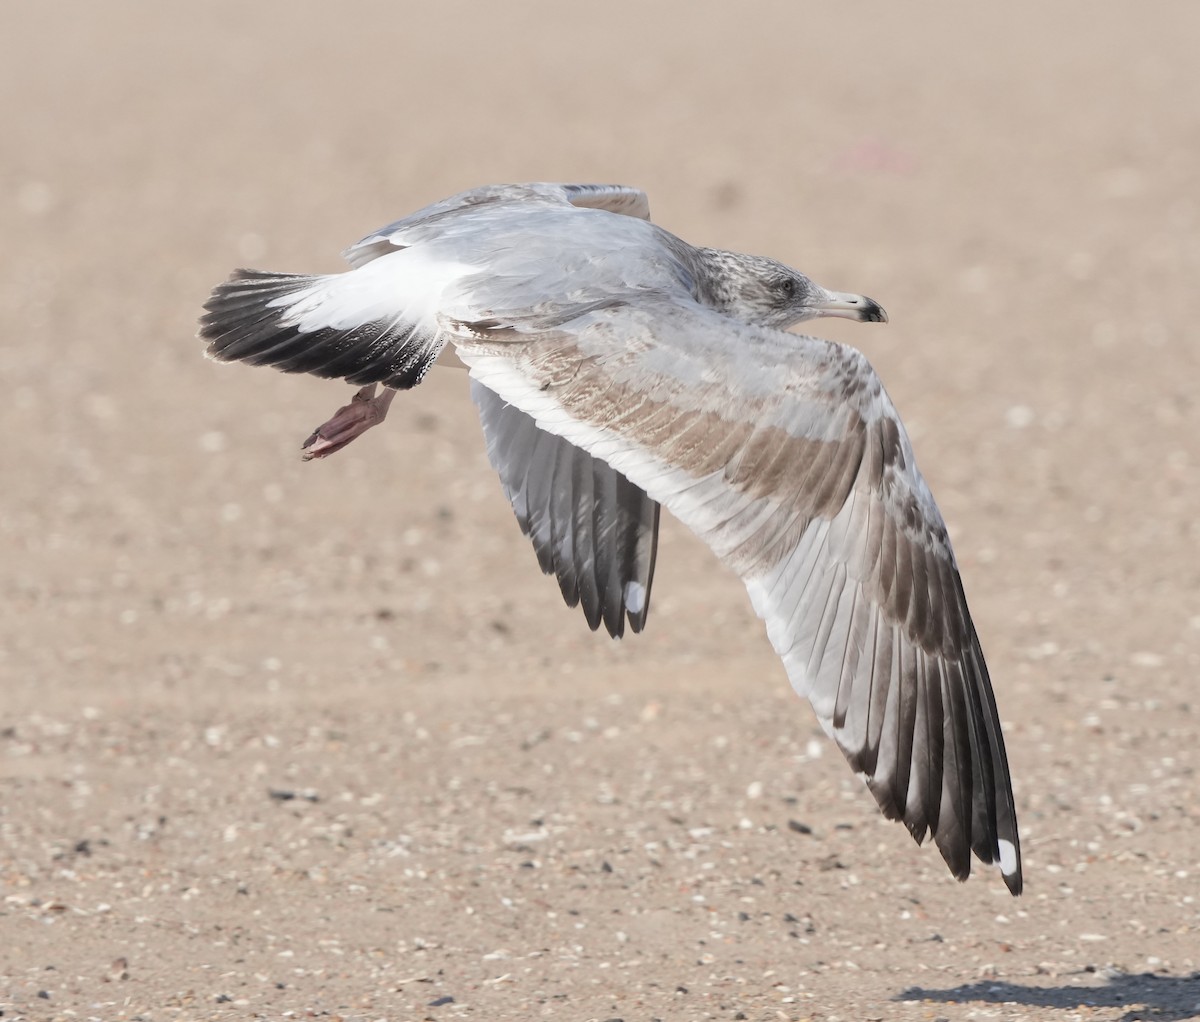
x=764, y=291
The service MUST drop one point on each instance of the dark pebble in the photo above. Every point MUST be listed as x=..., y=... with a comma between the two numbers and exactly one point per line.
x=287, y=795
x=441, y=1001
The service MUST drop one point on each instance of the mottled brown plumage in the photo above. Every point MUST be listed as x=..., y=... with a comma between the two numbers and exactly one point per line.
x=617, y=369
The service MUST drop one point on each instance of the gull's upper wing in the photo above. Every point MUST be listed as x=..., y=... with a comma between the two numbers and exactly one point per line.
x=614, y=198
x=378, y=324
x=591, y=528
x=430, y=221
x=786, y=456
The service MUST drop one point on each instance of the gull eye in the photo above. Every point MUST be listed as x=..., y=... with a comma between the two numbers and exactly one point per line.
x=788, y=288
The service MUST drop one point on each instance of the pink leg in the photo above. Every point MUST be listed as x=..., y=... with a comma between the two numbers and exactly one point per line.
x=364, y=411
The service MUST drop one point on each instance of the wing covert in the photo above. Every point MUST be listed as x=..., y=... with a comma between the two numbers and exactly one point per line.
x=429, y=222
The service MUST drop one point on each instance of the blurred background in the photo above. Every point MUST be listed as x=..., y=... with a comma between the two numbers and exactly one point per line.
x=190, y=616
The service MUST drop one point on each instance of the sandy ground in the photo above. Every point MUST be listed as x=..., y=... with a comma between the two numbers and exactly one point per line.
x=318, y=740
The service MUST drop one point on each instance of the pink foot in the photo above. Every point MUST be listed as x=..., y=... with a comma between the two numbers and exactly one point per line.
x=364, y=411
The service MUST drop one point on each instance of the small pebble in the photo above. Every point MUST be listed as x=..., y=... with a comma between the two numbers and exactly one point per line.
x=1019, y=417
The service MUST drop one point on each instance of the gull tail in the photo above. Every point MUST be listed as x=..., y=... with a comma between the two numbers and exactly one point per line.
x=323, y=325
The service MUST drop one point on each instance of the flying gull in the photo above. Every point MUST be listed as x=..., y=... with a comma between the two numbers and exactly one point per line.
x=618, y=369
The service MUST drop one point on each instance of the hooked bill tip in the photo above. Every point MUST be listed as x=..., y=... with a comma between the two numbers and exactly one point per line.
x=873, y=312
x=844, y=305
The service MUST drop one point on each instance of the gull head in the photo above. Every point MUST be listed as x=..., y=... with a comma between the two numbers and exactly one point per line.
x=765, y=292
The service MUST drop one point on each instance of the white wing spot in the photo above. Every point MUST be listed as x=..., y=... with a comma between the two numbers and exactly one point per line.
x=635, y=597
x=1008, y=857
